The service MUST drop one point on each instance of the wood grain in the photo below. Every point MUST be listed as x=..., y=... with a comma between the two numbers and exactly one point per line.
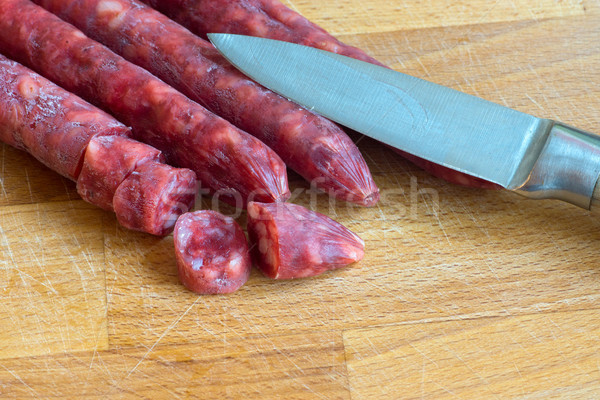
x=291, y=367
x=546, y=355
x=24, y=180
x=463, y=293
x=53, y=285
x=367, y=16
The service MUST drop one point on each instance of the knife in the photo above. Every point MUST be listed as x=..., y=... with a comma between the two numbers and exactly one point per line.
x=535, y=157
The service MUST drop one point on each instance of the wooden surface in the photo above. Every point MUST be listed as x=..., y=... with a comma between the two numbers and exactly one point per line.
x=463, y=293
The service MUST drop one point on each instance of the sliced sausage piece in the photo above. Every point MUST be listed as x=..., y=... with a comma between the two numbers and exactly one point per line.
x=272, y=19
x=225, y=158
x=290, y=241
x=212, y=253
x=48, y=122
x=314, y=147
x=153, y=196
x=108, y=161
x=56, y=126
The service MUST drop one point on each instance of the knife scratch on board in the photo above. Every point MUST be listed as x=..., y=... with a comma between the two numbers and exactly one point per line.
x=169, y=328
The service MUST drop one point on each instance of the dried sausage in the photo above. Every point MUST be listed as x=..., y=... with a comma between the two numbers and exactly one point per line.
x=224, y=157
x=290, y=241
x=311, y=145
x=272, y=19
x=153, y=196
x=48, y=122
x=108, y=161
x=263, y=18
x=65, y=132
x=212, y=253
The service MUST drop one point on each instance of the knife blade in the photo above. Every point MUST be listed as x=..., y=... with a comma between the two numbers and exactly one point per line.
x=536, y=157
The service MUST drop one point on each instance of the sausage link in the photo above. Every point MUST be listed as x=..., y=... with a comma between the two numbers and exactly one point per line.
x=290, y=241
x=317, y=149
x=225, y=158
x=108, y=161
x=272, y=19
x=153, y=196
x=263, y=18
x=68, y=135
x=48, y=122
x=212, y=253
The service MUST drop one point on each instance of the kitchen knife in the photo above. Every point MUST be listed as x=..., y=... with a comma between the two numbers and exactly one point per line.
x=538, y=158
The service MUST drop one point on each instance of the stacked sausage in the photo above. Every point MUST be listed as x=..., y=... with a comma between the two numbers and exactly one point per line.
x=271, y=19
x=311, y=145
x=131, y=178
x=226, y=159
x=79, y=141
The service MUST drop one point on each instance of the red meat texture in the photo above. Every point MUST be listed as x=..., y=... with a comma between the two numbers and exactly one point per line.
x=313, y=146
x=272, y=19
x=212, y=253
x=290, y=241
x=226, y=159
x=108, y=161
x=153, y=196
x=48, y=122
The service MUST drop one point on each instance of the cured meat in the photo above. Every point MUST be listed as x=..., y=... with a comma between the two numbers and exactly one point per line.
x=64, y=132
x=212, y=253
x=309, y=144
x=290, y=241
x=226, y=159
x=263, y=18
x=48, y=122
x=108, y=161
x=271, y=19
x=153, y=196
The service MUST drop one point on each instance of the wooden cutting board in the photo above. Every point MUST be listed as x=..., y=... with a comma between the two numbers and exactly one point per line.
x=463, y=293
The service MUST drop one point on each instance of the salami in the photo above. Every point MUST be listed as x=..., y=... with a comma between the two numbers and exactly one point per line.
x=290, y=241
x=82, y=142
x=108, y=161
x=271, y=19
x=48, y=122
x=311, y=145
x=226, y=159
x=212, y=253
x=263, y=18
x=153, y=196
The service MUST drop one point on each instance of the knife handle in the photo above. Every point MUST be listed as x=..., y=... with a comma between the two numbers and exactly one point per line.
x=568, y=168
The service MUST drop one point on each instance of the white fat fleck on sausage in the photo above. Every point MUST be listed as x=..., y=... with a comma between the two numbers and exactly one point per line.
x=29, y=88
x=112, y=10
x=108, y=7
x=234, y=265
x=218, y=260
x=261, y=229
x=183, y=235
x=79, y=34
x=211, y=274
x=197, y=264
x=315, y=255
x=271, y=258
x=263, y=245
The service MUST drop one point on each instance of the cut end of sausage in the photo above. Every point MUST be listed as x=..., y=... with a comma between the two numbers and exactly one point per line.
x=212, y=253
x=153, y=196
x=290, y=241
x=50, y=123
x=107, y=162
